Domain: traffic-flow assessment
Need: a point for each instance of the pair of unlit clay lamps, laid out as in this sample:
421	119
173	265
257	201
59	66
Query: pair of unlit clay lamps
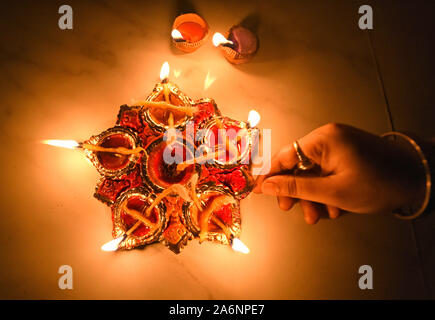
190	31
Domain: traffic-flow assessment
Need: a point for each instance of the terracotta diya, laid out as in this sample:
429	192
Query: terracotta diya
238	46
189	32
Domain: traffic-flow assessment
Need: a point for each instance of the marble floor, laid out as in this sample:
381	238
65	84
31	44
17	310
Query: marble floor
314	66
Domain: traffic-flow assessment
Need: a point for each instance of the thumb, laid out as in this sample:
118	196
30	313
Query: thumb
317	189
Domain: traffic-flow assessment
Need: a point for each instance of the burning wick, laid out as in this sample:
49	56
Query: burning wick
68	144
177	36
241	45
236	243
253	118
119	150
220	40
239	246
72	144
164	72
207	214
113	245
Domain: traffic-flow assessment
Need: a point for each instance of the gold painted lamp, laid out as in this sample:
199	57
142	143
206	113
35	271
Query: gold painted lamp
196	196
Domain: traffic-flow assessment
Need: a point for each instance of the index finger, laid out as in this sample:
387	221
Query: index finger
284	160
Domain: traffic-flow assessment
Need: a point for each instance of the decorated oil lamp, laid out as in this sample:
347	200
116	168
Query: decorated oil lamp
132	225
189	32
239	46
167	107
111	164
214	215
221	135
231	139
157	188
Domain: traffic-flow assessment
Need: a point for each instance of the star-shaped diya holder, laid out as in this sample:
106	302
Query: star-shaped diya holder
173	169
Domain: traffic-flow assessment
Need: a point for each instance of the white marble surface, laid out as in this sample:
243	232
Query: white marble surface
314	66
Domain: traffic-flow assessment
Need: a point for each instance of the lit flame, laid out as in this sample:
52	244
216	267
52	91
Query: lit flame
176	35
69	144
239	246
208	81
112	245
253	118
219	39
164	71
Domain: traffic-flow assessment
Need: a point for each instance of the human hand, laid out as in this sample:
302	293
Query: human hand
359	172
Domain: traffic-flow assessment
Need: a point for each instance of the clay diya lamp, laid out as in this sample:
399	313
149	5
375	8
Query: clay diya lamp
131	221
160	107
238	46
233	147
112	164
160	164
189	32
214	216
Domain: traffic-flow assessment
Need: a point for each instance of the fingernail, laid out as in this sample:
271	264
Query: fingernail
270	188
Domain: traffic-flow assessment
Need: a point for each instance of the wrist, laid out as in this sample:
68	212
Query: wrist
417	175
